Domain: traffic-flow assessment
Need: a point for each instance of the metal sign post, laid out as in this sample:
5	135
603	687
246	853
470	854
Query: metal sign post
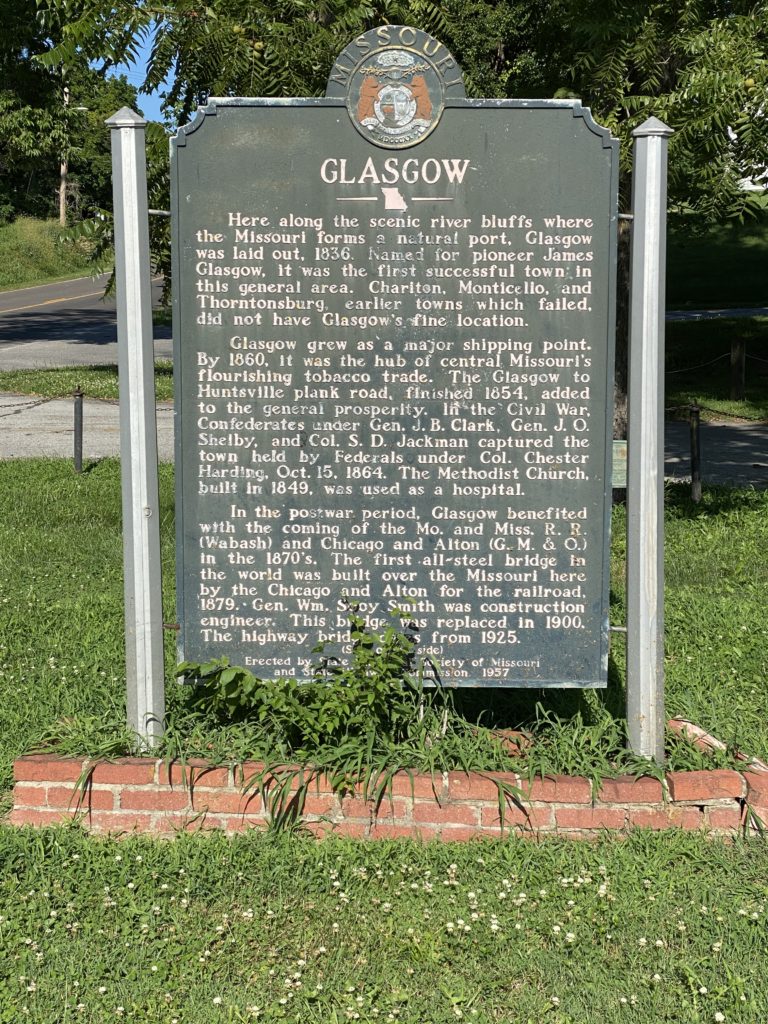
645	490
138	431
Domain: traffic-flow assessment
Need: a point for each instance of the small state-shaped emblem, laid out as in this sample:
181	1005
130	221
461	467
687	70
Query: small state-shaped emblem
395	97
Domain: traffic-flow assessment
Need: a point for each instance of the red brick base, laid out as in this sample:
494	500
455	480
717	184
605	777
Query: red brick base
142	795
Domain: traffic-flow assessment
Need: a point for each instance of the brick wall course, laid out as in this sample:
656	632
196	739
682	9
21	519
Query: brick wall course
145	795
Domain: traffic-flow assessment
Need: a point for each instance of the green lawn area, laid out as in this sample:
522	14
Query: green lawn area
93	381
279	927
282	928
698	367
723	266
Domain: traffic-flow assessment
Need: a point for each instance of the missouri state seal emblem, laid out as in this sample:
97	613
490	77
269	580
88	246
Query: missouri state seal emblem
395	97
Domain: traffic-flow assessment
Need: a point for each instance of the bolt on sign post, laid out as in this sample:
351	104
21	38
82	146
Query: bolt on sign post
394	316
138	431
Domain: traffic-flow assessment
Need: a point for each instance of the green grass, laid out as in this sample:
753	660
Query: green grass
94	381
278	927
31	253
724	266
698	367
61	629
651	929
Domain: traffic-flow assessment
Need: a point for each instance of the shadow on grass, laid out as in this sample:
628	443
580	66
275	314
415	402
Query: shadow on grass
516	709
715	501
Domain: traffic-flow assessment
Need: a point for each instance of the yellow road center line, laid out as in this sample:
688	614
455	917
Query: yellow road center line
71	298
48	302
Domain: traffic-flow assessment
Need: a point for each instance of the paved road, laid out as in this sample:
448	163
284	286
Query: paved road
731	453
35	428
66	323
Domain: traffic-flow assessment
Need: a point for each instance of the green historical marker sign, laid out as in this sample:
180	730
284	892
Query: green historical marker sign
394	322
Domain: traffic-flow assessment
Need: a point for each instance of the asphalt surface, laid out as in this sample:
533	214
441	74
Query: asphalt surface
69	323
65	323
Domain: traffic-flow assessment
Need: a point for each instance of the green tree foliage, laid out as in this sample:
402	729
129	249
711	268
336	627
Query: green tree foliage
89	153
42	119
32	135
509	49
286	48
226	47
701	67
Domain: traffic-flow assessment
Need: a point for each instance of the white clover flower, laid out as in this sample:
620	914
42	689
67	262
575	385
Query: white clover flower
554	1000
719	1017
217	1000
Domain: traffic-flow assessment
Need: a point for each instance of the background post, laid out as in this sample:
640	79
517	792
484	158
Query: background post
138	431
645	484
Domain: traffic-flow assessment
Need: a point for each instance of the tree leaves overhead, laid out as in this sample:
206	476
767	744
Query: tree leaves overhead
698	65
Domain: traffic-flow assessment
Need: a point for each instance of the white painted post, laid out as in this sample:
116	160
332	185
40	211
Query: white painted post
138	431
645	484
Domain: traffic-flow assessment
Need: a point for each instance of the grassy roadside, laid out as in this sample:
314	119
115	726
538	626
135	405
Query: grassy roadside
94	381
206	931
31	253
